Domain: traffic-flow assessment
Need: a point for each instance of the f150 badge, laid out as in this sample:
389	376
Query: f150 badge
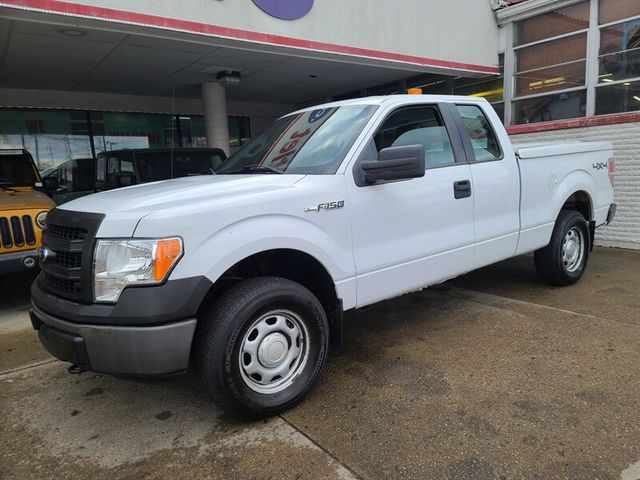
325	206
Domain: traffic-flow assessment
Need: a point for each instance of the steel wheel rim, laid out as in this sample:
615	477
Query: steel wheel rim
573	249
273	352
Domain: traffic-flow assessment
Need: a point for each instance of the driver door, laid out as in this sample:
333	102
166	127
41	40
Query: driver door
410	233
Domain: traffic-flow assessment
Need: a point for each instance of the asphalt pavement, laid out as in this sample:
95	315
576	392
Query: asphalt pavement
492	375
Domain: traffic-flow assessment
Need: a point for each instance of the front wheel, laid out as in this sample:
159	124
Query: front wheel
262	346
564	260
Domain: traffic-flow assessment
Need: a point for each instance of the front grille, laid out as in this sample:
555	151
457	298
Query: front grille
69	286
17	231
65	233
70	237
69	260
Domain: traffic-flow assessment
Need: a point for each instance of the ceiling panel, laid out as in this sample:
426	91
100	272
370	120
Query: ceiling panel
40	56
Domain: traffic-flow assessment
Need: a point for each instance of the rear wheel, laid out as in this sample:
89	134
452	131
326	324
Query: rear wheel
564	260
262	346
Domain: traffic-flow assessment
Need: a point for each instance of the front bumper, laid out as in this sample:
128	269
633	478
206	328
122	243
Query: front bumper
117	350
18	261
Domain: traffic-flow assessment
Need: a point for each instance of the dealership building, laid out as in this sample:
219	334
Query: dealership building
81	77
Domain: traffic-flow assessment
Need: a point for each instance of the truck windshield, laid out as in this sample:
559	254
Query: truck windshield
16	170
311	142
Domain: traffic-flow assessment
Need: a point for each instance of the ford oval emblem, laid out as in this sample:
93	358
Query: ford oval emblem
285	9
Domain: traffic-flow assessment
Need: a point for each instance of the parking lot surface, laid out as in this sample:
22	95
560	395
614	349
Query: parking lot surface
492	375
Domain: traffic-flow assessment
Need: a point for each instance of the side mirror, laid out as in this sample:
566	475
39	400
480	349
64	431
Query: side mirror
51	183
126	179
395	163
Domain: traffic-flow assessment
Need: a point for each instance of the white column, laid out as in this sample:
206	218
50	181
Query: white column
215	115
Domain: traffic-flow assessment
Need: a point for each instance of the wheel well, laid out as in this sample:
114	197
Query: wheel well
580	202
292	264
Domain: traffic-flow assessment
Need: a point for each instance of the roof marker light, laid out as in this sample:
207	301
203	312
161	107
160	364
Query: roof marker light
414	91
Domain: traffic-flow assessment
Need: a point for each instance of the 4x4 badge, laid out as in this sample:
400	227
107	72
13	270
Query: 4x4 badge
325	206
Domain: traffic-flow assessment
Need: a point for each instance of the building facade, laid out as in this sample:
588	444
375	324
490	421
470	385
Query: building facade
80	77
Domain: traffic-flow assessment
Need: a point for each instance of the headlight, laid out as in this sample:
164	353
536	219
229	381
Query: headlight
120	263
41	219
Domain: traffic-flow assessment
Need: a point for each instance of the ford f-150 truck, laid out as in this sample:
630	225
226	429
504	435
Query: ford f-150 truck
246	274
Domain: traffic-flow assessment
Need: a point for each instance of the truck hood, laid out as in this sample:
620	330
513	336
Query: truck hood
140	200
24	200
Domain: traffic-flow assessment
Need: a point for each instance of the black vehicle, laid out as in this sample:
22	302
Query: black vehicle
71	180
123	168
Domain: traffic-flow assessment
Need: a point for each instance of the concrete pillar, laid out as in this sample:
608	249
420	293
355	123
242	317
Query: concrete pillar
215	115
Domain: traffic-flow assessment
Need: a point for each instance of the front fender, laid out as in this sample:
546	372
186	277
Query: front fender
239	240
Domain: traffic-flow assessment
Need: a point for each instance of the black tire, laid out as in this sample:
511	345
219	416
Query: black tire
549	260
222	332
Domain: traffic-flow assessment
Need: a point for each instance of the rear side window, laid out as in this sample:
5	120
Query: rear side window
417	126
483	140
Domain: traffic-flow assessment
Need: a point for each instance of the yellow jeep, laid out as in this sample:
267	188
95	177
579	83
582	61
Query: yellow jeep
23	210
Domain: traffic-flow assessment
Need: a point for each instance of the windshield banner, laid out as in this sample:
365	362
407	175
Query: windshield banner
295	136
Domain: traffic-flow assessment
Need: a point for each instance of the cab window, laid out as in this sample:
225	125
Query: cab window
418	126
483	140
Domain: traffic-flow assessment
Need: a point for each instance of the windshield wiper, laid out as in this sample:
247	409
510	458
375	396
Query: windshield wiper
257	168
7	189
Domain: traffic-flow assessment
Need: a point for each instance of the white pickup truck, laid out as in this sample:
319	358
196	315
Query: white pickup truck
245	274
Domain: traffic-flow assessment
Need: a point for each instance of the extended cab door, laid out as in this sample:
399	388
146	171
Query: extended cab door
496	183
411	233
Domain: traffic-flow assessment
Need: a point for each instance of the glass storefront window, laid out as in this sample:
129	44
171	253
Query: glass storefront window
239	131
51	136
555	52
120	131
550	107
621	97
620	51
612	10
552	24
192	130
549	79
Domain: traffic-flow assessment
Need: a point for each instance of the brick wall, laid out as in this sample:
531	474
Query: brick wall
624	232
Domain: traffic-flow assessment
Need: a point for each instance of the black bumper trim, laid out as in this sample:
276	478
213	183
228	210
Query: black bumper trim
64	346
137	306
118	350
13	262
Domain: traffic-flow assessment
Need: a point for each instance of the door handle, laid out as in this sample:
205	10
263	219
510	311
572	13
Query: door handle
462	189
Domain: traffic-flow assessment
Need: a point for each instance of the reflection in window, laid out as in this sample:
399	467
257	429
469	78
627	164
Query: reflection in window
620	51
125	131
193	132
483	140
417	126
552	24
616	98
550	107
612	10
51	136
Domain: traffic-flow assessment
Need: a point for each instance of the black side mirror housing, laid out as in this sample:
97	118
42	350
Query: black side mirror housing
395	163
